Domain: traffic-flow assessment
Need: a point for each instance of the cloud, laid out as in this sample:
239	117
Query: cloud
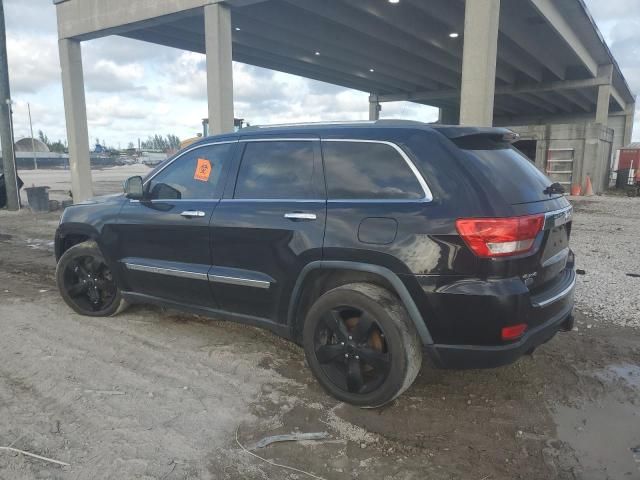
615	10
33	62
108	76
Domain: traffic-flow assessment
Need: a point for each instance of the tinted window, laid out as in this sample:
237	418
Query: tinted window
194	175
512	174
368	171
276	170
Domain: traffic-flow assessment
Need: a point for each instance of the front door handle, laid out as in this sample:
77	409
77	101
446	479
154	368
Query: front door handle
192	213
300	216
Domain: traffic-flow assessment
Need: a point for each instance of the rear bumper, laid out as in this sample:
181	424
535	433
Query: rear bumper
499	305
481	356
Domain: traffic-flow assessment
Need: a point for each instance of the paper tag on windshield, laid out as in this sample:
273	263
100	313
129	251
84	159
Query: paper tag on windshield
203	170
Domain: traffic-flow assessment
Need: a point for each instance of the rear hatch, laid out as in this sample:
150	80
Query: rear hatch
505	173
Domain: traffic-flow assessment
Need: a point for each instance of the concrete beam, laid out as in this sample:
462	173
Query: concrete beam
628	124
604	95
84	19
75	109
449	13
549	10
618	97
218	44
431	34
479	62
576	99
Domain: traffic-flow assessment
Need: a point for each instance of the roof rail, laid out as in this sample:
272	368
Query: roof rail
314	124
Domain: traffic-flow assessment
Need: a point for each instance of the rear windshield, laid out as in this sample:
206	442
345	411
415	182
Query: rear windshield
511	173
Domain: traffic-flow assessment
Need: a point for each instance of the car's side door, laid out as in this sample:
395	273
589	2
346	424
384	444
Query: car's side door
163	241
268	227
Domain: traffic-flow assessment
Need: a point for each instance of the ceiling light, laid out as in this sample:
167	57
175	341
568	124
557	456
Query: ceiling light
317	53
237	29
394	1
454	35
371	70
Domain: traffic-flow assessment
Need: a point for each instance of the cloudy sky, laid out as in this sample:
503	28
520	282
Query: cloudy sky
135	89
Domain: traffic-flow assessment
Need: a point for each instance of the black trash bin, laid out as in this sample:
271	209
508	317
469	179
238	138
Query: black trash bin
3	190
38	198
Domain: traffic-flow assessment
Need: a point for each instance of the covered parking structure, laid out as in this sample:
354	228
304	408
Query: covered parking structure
525	63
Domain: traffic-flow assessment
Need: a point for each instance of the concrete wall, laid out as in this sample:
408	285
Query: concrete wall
591	142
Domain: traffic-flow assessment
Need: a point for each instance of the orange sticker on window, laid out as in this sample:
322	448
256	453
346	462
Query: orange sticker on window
203	170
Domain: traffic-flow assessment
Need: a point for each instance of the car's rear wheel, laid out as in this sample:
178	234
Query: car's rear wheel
86	283
361	344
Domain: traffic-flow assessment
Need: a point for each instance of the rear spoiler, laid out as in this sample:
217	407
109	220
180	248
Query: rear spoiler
479	138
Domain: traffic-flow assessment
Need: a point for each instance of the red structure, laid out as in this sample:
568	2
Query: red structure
629	157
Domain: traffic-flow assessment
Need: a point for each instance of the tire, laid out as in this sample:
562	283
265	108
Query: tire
87	256
392	338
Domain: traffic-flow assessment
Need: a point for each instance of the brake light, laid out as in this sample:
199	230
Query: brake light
513	332
500	237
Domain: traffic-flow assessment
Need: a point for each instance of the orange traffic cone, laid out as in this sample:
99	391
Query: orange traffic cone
576	190
588	188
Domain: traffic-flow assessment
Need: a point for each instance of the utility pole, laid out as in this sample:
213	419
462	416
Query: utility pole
6	133
33	141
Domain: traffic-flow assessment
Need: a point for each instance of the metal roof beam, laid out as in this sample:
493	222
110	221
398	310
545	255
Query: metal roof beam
381	65
302	21
435	36
451	14
350	66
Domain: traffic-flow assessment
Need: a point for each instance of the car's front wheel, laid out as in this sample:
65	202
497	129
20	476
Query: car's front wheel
86	283
361	344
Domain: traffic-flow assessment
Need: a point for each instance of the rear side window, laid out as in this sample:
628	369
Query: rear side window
368	171
276	170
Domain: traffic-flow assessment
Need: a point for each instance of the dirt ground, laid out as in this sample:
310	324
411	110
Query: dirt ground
162	395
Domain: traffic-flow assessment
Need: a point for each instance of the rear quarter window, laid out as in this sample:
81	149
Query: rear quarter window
368	171
511	173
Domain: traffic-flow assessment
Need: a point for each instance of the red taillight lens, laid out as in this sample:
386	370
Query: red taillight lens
513	332
499	237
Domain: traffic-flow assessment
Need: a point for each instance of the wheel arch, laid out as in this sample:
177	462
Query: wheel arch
70	234
304	294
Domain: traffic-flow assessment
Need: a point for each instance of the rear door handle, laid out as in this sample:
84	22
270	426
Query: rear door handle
192	213
300	216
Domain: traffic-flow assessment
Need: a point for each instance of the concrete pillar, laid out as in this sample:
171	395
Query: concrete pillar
604	94
479	62
628	123
75	110
217	27
374	107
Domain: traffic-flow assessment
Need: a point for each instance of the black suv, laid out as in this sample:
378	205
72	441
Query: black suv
366	243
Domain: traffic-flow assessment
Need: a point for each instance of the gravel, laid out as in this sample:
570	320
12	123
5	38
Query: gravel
606	240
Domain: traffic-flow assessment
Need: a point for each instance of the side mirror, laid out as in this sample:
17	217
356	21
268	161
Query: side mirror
133	188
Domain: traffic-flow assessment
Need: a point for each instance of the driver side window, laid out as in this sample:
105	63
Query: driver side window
194	175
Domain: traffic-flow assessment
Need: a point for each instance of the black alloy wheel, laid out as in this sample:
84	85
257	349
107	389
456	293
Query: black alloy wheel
361	344
351	350
86	283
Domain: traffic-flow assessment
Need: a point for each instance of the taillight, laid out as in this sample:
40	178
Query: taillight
513	332
500	237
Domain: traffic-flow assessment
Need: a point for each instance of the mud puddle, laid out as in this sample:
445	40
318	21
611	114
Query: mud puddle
605	433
